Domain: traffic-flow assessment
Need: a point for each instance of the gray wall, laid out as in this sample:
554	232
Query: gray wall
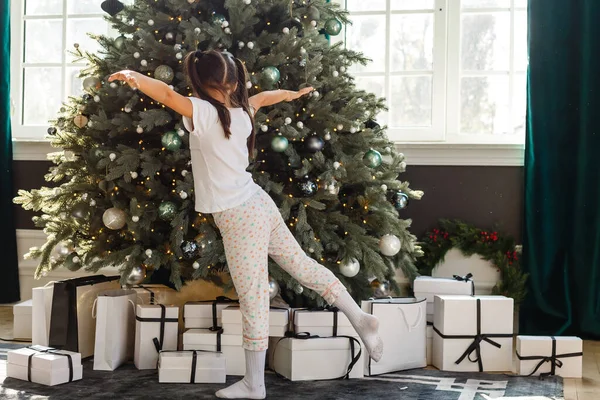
488	197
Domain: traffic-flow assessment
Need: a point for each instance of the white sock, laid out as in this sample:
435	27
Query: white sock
253	384
366	325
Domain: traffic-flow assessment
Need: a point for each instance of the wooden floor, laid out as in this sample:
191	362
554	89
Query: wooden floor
587	388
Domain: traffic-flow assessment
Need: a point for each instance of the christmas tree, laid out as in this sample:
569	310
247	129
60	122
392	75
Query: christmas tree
122	192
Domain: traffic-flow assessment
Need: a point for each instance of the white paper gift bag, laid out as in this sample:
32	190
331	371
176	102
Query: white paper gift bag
44	365
115	329
191	367
428	287
402	327
229	345
155	330
205	314
324	323
41	299
22	319
549	355
278	321
473	333
155	294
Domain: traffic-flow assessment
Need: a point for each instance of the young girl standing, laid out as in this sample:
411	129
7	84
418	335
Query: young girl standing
219	118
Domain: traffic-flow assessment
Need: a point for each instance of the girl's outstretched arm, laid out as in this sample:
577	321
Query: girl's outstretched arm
271	97
156	89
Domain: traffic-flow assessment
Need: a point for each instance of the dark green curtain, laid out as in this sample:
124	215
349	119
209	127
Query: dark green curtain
562	169
9	271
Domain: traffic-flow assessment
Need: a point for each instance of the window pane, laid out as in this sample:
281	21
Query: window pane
519	104
42	95
40	7
84	7
77	30
486	41
485	105
43	41
367	35
485	3
411	44
375	85
362	5
411	101
73	85
520	3
411	4
521	60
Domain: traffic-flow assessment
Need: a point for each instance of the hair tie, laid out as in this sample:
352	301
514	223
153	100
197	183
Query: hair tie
198	55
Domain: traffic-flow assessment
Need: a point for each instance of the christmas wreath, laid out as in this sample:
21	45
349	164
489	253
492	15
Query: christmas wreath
500	250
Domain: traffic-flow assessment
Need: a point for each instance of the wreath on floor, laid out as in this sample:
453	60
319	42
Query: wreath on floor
499	249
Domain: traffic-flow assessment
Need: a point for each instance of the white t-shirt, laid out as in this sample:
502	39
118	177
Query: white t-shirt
219	164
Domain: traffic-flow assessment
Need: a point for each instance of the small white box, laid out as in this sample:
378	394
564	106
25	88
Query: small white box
231	347
148	327
457	316
316	359
22	320
568	352
199	314
150	294
47	368
176	367
321	323
429	344
278	321
428	287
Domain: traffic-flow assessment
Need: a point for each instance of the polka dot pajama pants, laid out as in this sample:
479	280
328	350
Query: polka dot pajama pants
252	232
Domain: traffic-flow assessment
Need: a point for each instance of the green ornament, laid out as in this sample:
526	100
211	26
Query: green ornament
333	27
167	210
279	144
313	13
271	75
171	140
372	158
164	73
119	42
218	19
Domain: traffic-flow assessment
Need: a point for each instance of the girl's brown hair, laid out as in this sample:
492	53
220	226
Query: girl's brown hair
226	74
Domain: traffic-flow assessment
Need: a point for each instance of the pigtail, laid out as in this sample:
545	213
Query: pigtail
241	98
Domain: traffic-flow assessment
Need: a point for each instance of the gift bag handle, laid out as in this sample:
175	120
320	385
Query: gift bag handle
94	308
132	305
419	319
50	283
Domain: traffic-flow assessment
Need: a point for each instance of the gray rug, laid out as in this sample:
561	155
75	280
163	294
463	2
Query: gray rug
129	383
4	347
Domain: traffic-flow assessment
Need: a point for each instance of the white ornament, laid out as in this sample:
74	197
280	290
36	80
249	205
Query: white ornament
227	31
97	99
248	85
343	69
250	45
353	129
133	174
169	36
179	56
359	100
335	74
388	150
144	63
139	129
183	195
63	215
389	245
171	87
340	127
195	265
184	172
191	1
135	218
300	124
177	47
367	114
336	165
384	187
311	250
84	196
313	23
351	268
197	30
127	109
241	45
148	253
302	50
136	55
112	156
92	202
316	94
76	260
247	2
327	136
150	22
287	120
181	132
225	24
286	30
113	85
264	128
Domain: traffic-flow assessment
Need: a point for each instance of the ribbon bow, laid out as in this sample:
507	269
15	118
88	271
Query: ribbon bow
219	300
553	360
465	278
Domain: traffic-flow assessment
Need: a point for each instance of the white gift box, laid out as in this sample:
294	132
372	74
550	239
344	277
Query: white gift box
199	314
278	321
429	344
230	346
322	323
22	320
47	368
537	354
155	294
428	287
177	367
316	358
456	326
402	327
155	326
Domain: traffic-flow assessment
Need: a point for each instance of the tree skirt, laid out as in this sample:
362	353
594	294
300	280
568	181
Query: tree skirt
129	383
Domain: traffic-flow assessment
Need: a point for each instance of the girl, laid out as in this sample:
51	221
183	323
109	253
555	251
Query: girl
219	118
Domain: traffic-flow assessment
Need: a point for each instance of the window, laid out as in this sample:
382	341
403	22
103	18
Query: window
43	73
453	71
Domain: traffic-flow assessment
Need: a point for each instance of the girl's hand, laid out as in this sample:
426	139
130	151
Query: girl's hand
126	76
296	95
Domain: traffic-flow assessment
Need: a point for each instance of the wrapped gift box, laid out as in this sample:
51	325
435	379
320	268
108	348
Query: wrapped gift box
402	328
229	345
546	355
317	358
428	287
22	320
457	321
44	365
322	323
429	344
155	330
202	314
155	294
278	321
191	367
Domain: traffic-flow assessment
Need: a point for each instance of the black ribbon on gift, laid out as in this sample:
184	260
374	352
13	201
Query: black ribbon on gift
334	310
467	278
41	350
552	359
152	299
194	359
158	342
475	347
219	300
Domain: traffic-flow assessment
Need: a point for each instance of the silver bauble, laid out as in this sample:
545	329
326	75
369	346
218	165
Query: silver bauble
90	83
299	289
136	276
80	211
381	289
164	73
273	288
389	245
114	218
350	268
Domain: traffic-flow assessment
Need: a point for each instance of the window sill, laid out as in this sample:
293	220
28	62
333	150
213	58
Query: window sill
416	153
